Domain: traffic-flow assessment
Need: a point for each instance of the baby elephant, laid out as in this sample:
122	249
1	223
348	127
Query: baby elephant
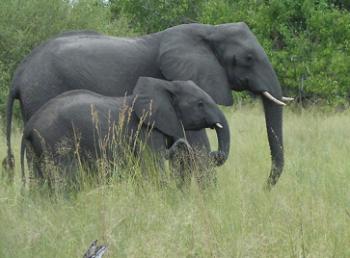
86	123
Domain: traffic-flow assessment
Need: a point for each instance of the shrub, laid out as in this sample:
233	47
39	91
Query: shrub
24	24
154	15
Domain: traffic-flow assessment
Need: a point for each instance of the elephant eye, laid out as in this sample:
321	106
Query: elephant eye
200	104
249	58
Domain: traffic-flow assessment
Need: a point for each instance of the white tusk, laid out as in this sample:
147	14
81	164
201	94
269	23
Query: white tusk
219	125
272	98
287	99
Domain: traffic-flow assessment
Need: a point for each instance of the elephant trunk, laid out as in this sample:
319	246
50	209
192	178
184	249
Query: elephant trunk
223	136
273	118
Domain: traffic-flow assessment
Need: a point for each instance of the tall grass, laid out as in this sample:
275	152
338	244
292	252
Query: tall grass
306	215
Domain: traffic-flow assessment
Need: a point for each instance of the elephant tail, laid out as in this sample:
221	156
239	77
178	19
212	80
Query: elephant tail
23	149
9	161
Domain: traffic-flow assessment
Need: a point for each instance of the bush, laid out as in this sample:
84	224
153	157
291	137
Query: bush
24	24
154	15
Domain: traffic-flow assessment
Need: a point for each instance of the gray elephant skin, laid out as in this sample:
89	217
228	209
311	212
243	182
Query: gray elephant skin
156	114
218	58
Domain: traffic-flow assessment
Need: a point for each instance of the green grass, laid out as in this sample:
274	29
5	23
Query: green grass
306	215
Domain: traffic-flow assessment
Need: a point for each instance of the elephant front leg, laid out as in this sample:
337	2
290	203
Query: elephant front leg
8	165
203	160
181	159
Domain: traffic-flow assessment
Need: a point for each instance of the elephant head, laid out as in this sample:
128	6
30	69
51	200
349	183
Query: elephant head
175	106
229	57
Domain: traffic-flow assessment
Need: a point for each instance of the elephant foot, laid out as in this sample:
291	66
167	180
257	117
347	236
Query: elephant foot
8	165
267	187
270	183
9	162
273	178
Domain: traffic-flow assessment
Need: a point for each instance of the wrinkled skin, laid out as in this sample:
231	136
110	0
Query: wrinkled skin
218	58
90	120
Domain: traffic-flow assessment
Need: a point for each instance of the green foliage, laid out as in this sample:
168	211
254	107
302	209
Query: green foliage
155	15
25	24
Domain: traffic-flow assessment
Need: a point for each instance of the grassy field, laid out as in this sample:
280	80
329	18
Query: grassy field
306	215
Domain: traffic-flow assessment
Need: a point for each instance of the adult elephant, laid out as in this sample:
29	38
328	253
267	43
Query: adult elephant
218	58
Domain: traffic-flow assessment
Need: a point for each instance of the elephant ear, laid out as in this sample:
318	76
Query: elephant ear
154	105
186	55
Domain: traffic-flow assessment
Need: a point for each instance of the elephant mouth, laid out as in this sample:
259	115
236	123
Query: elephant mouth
243	84
237	85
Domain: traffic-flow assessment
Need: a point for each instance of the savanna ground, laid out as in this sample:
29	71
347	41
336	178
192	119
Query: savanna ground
306	215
